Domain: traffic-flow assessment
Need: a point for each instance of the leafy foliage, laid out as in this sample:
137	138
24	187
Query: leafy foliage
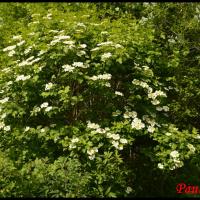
94	94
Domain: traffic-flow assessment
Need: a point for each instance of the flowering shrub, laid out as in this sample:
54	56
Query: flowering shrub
76	94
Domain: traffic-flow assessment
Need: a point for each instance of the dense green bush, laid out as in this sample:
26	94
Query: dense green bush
92	95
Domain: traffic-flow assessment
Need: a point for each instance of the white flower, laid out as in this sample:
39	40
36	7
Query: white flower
107	84
83	46
41	52
3	116
115	144
11	53
105	43
137	124
21	43
115	136
28	50
62	37
68	68
119	93
48	86
105	76
123	141
53	42
174	154
44	105
9	82
198	137
48	108
168	134
68	42
128	190
159	108
109	135
27	128
161	166
132	114
93	125
6	128
2	125
166	108
92	151
72	146
4	100
22	77
100	130
91	157
191	147
151	129
95	49
42	130
78	64
106	55
9	48
74	140
155	102
17	37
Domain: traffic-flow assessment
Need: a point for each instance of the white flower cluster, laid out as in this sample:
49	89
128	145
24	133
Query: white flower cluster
165	108
26	62
17	37
22	77
151	123
58	38
105	56
101	77
9	48
119	93
80	64
116	141
73	143
4	127
129	114
68	68
4	100
137	124
105	43
44	105
91	152
48	86
177	163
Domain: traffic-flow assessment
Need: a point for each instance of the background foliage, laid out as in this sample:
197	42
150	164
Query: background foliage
99	99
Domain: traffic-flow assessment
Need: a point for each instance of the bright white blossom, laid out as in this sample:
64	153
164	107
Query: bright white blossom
161	166
6	128
47	109
48	86
123	141
22	78
74	140
9	48
137	124
93	125
4	100
119	93
151	129
68	68
106	55
44	105
174	154
27	128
